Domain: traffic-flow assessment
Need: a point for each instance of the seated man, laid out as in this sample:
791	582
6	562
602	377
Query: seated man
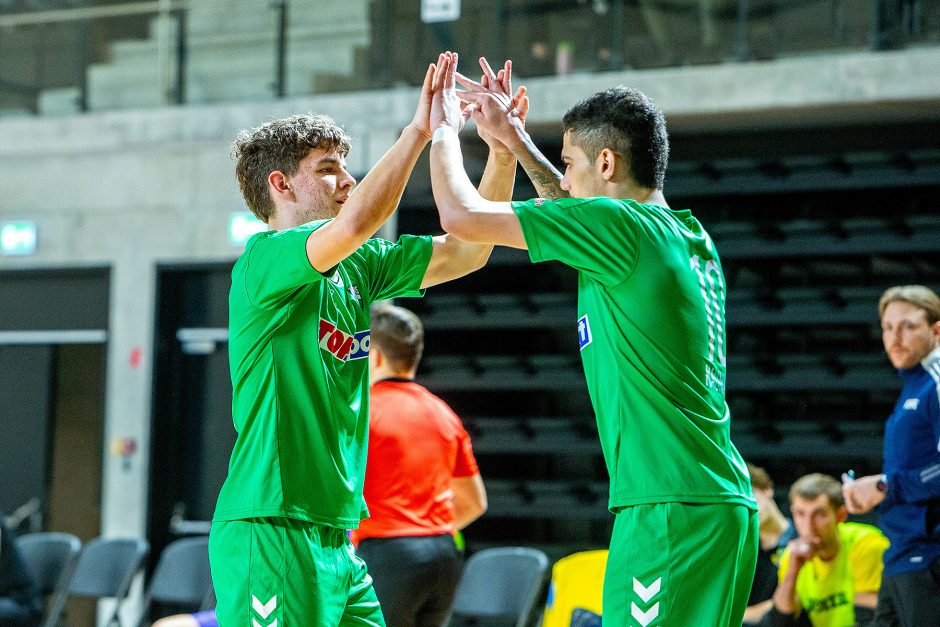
830	574
776	530
19	600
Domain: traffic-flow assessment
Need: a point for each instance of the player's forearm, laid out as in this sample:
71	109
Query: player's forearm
499	176
785	595
544	176
454	194
378	194
754	613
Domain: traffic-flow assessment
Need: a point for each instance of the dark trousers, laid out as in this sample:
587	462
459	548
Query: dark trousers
414	577
910	599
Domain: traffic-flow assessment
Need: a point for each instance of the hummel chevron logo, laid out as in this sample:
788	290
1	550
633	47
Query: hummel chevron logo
647	593
264	610
255	623
644	618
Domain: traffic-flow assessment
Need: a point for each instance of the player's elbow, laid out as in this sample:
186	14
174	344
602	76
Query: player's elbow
454	221
460	224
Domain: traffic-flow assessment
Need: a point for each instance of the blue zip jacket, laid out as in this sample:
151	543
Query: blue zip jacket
910	513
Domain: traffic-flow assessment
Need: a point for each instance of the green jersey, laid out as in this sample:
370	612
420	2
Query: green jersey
298	354
651	327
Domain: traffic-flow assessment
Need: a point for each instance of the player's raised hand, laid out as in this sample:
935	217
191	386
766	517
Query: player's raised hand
445	105
499	84
498	112
422	119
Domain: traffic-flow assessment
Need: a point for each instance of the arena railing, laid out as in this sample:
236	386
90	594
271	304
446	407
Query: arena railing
168	52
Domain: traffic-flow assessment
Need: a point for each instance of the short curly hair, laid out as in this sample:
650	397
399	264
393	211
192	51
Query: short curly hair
628	122
280	145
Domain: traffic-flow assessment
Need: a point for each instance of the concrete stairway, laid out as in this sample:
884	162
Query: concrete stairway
231	54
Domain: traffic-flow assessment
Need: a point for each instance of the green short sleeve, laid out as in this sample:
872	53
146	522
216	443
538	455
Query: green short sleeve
396	268
597	236
276	264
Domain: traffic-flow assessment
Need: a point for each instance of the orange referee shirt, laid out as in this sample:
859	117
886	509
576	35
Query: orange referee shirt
416	445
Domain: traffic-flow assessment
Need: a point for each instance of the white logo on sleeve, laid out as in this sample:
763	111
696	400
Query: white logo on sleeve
911	404
584	332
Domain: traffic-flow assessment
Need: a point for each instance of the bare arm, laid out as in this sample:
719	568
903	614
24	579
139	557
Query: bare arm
464	213
377	196
503	117
469	499
786	600
544	176
452	258
754	613
866	599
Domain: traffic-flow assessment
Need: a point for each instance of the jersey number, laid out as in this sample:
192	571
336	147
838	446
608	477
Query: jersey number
713	292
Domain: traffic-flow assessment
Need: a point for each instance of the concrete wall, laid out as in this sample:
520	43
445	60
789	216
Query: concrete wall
131	189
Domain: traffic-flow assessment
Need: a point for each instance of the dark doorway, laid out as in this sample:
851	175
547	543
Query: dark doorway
53	339
192	433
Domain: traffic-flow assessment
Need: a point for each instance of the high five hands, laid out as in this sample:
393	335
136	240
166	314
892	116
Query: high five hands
498	112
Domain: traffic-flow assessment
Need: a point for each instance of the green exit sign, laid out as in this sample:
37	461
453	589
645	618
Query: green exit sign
18	238
242	225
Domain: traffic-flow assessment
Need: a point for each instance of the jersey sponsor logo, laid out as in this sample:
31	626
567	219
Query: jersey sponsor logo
827	604
911	404
354	293
644	613
584	332
538	202
341	345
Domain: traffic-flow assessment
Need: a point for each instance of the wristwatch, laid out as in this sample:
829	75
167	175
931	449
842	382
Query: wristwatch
882	484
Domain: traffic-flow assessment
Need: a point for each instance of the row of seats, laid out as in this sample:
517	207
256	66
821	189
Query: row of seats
105	567
578	500
754	305
796	173
578	436
746	372
505	583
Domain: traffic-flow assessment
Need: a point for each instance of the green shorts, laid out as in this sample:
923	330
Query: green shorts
289	573
680	564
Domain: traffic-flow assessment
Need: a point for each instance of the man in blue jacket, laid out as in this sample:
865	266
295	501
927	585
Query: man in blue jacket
907	494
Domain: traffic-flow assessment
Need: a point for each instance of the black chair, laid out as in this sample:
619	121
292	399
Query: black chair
181	577
50	558
105	570
501	585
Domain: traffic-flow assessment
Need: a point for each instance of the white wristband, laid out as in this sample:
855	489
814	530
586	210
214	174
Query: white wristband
441	133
